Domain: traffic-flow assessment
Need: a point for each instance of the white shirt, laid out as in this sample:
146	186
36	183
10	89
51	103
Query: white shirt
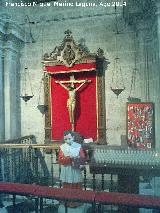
71	150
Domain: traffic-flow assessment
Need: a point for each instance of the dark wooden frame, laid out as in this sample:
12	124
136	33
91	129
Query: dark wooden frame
140	125
47	103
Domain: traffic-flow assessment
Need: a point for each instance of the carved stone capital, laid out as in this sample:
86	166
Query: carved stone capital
11	34
139	11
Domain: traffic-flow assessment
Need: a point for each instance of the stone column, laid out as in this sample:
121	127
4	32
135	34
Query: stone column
12	45
149	70
12	93
157	86
2	123
7	91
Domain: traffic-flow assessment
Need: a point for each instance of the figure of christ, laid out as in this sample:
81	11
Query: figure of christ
71	101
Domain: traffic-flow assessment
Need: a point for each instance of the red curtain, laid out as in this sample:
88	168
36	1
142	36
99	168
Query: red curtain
85	110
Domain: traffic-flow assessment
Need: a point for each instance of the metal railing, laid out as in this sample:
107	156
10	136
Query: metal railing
98	200
24	161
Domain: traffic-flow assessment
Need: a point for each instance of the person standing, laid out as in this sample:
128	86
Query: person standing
71	158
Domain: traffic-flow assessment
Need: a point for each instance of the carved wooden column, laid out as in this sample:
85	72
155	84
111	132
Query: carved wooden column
47	104
101	64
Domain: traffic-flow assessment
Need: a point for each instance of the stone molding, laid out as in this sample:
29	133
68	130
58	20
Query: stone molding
63	15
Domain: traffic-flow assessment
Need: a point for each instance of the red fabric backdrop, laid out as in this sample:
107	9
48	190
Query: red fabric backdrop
85	110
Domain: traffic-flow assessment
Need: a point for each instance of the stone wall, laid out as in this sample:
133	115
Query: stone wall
94	26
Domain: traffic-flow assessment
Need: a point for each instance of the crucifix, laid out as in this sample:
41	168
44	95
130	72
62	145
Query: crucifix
71	101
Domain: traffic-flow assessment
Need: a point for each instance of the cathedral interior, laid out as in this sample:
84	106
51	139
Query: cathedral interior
108	52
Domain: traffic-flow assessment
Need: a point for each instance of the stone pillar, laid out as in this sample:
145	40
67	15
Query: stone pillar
7	89
12	45
157	86
2	123
149	69
12	93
